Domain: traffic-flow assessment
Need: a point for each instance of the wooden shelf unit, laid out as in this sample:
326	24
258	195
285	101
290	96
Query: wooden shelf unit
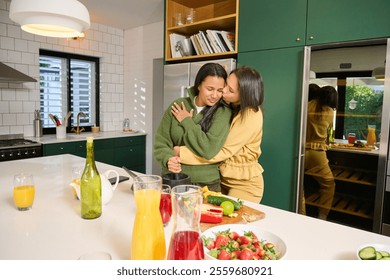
213	14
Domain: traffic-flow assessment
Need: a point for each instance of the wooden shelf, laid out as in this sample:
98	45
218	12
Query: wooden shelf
345	204
209	14
356	176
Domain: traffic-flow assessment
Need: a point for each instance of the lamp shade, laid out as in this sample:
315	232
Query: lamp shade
52	18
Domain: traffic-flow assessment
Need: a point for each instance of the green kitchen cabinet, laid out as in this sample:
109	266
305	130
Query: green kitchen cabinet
104	150
59	148
131	152
333	21
265	24
122	151
281	72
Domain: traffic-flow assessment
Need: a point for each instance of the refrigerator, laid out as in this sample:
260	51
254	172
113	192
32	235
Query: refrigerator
173	84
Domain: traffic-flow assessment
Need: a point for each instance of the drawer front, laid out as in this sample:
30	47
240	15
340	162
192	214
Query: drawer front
126	141
131	157
58	149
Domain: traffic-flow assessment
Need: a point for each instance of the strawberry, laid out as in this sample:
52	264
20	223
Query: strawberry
235	255
224	255
246	254
221	240
244	240
233	235
208	243
233	245
251	236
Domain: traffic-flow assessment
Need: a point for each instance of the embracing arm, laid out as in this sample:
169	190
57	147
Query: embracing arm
241	133
205	144
163	144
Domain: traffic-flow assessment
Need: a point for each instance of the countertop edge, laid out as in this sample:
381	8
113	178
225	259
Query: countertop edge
71	137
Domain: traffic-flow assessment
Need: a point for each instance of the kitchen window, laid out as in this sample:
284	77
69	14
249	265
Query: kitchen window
68	83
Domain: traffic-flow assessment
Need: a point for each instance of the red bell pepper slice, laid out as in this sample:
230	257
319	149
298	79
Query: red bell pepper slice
211	214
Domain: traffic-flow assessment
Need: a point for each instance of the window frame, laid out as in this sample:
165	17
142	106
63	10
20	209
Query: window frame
69	57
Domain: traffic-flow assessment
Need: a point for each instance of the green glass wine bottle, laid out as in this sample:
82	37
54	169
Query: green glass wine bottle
90	187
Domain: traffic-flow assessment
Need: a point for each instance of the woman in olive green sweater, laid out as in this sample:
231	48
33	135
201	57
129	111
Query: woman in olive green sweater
204	133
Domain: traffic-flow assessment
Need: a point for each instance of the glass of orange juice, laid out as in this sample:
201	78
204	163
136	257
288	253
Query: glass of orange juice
24	191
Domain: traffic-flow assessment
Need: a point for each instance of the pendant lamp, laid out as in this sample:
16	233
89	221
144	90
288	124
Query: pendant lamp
52	18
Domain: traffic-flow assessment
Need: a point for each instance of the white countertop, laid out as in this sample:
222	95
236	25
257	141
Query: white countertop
71	137
54	229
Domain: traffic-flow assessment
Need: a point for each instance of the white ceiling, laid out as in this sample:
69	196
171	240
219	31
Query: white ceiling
125	14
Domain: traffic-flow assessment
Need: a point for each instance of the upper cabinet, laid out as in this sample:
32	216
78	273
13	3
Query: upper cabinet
274	24
186	20
347	20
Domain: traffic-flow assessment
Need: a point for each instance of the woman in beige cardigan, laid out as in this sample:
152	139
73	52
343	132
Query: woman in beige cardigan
241	173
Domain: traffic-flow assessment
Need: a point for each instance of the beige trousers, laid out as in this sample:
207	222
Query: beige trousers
317	163
251	190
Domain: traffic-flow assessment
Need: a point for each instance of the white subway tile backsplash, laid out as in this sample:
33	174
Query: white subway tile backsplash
21	50
16	106
14	31
7	43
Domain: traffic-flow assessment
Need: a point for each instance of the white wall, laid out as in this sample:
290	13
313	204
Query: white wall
21	51
142	45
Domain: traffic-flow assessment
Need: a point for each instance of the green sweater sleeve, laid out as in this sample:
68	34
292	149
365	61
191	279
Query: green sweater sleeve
207	145
163	144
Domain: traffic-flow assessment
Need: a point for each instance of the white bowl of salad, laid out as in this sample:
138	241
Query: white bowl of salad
373	252
242	242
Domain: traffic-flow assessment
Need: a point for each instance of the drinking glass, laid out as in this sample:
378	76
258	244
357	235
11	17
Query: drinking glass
166	204
24	191
351	138
148	240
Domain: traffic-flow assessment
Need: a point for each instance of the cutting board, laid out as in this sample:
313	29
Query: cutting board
244	210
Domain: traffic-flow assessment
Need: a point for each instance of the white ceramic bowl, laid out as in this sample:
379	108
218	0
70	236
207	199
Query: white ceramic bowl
280	246
378	247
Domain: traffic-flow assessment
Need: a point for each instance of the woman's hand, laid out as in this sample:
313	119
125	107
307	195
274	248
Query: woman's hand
180	113
174	164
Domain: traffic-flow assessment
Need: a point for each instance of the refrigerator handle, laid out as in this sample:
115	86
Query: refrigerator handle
183	91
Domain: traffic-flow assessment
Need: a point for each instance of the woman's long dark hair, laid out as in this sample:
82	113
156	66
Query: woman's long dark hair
214	70
251	90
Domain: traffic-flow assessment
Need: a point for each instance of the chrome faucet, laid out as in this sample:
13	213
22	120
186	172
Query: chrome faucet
78	130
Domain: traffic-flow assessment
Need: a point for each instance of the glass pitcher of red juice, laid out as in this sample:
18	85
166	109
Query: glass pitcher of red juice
186	242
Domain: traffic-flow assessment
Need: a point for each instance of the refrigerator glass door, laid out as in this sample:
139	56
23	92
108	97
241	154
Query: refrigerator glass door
359	169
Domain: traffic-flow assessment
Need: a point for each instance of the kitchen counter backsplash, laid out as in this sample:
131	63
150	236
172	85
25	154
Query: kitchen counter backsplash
72	137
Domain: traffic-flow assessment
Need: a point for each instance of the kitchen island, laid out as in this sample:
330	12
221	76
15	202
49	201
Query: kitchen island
54	230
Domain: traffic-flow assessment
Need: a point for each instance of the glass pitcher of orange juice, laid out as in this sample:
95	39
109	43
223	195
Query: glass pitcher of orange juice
371	135
148	240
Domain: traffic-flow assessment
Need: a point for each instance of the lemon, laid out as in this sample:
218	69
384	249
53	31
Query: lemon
227	207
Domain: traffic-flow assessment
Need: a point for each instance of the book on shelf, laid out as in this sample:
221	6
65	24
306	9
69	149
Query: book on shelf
173	39
206	40
221	41
202	43
197	46
213	41
197	51
229	39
